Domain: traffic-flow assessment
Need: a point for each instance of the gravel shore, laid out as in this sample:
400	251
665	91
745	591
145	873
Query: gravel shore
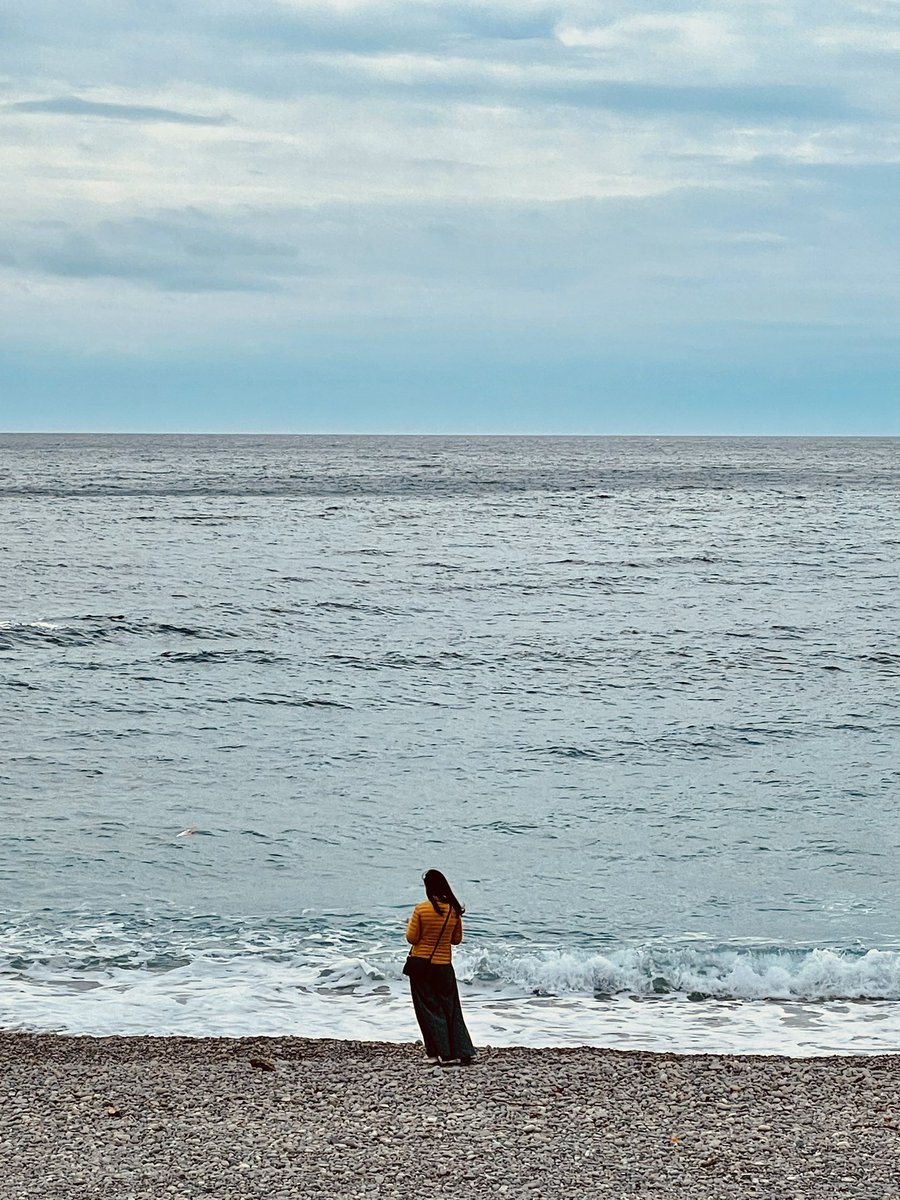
170	1118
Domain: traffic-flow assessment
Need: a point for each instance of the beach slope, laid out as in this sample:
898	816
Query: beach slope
135	1118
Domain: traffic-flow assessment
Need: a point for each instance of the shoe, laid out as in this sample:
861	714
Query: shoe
432	1060
449	1062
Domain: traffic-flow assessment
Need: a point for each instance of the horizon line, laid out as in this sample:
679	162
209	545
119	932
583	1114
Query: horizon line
433	434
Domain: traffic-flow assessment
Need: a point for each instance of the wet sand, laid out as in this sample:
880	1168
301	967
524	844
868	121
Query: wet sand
136	1118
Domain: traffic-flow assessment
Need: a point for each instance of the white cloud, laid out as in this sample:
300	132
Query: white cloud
486	165
683	40
873	41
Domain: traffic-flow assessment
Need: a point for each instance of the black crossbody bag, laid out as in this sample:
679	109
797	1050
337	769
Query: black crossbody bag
417	967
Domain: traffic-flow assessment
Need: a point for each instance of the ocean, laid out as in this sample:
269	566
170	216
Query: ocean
637	697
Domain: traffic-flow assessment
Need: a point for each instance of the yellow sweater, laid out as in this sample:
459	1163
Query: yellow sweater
424	929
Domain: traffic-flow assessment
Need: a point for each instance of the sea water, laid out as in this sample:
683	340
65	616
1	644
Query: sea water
637	697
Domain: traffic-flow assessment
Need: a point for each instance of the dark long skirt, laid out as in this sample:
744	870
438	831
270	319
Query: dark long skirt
435	998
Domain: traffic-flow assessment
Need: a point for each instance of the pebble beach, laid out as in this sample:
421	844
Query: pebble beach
144	1118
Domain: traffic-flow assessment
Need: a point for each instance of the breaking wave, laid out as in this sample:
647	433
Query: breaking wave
720	973
318	954
206	976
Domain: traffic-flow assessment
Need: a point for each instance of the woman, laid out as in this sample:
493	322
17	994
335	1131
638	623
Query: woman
434	927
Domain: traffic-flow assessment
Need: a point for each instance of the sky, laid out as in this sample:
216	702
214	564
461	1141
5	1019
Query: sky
505	216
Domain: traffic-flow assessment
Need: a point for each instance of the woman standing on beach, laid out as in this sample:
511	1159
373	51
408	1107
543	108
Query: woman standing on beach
433	929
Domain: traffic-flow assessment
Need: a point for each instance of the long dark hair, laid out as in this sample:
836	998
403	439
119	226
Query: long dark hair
437	888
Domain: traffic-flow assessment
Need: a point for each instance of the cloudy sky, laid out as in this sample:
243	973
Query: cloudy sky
439	215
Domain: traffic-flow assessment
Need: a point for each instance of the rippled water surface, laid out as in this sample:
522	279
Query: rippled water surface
638	697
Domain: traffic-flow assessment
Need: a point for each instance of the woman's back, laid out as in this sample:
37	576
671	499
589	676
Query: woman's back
424	932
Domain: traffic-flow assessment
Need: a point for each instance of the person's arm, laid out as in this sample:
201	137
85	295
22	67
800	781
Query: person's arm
414	928
456	935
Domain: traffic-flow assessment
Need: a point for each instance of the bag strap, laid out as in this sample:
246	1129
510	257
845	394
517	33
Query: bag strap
441	934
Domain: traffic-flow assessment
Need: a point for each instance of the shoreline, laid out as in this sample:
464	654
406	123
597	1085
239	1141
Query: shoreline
141	1117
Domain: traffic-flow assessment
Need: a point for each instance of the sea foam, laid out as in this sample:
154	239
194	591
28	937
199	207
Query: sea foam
111	977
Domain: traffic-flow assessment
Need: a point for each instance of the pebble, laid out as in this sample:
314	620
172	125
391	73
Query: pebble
146	1118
